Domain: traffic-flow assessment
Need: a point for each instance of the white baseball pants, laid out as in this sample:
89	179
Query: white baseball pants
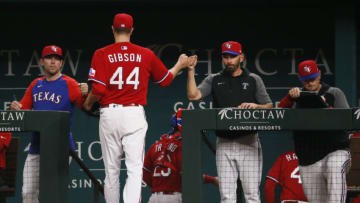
240	157
30	188
325	180
159	197
122	129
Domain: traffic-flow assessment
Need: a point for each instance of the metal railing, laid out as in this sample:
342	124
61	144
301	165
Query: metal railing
97	186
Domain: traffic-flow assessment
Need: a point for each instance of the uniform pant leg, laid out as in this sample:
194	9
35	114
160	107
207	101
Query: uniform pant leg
337	165
313	182
153	198
175	198
111	149
134	147
249	162
226	169
30	189
161	198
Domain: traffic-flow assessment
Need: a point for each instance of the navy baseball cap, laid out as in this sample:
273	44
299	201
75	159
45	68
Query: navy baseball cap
231	47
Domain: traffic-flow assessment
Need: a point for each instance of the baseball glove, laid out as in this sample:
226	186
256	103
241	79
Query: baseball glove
94	111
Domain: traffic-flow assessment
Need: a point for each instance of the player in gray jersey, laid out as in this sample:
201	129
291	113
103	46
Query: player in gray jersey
238	153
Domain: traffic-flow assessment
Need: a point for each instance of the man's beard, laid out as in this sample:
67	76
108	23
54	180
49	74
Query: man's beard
230	69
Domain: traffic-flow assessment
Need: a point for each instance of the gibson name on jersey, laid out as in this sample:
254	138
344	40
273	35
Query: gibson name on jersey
124	57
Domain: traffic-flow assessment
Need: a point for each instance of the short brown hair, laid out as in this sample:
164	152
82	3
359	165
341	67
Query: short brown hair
122	30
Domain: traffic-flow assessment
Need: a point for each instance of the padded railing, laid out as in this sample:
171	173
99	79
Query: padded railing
194	121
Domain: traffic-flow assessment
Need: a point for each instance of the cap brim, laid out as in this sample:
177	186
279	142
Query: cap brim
54	55
231	52
314	75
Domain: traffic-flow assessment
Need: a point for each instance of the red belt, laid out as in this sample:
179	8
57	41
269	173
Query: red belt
119	105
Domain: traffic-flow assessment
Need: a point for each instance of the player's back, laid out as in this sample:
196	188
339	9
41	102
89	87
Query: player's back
166	156
125	68
290	177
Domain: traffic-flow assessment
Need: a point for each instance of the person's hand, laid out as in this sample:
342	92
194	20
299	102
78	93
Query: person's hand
192	62
15	105
294	92
323	98
183	61
247	106
84	88
94	110
86	106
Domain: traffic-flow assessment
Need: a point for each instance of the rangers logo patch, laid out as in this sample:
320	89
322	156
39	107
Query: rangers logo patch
307	69
228	45
245	85
54	48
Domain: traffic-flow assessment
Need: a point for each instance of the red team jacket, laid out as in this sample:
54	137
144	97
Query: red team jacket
162	165
120	73
5	139
285	173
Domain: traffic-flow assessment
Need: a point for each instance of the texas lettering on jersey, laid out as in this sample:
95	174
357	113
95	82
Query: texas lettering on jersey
46	96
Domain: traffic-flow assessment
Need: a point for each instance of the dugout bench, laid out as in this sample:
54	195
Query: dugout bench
54	129
194	121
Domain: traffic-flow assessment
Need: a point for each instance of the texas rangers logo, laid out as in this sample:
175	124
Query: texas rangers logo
54	48
245	85
357	114
307	69
228	45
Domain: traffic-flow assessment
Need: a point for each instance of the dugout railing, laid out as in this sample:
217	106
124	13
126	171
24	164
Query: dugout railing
194	121
98	188
53	127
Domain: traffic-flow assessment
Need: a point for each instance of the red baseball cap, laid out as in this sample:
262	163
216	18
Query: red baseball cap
123	20
52	50
231	47
308	70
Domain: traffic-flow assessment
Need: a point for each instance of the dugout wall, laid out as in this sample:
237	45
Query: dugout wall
53	128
